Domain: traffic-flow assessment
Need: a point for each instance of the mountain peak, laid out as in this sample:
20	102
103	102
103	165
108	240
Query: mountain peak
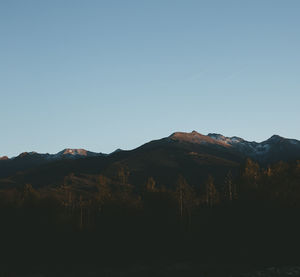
117	150
276	138
187	136
195	137
76	153
25	154
73	152
4	158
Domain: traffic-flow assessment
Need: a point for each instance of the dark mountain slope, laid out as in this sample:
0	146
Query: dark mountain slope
29	160
190	155
22	162
193	155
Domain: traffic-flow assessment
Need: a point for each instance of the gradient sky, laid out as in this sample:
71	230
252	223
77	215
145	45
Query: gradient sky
113	74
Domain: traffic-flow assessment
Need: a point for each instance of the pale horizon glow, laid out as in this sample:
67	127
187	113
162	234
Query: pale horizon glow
102	75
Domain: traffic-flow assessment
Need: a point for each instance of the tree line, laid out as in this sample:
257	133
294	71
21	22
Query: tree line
242	218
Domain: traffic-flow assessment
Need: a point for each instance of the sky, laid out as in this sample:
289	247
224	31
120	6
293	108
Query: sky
110	74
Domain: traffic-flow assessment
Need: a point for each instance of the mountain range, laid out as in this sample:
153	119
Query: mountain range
192	154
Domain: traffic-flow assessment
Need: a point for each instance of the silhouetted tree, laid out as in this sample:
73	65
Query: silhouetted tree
29	195
104	193
185	196
251	173
123	174
230	189
151	184
211	192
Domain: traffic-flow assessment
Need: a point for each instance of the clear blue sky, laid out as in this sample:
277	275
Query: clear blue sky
107	74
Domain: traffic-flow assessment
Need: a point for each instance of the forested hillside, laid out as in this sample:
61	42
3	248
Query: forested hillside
249	218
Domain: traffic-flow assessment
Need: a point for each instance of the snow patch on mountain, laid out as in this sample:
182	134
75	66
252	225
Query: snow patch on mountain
67	153
259	150
227	140
75	153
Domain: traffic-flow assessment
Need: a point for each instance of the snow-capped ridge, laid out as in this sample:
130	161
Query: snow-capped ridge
227	140
258	150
